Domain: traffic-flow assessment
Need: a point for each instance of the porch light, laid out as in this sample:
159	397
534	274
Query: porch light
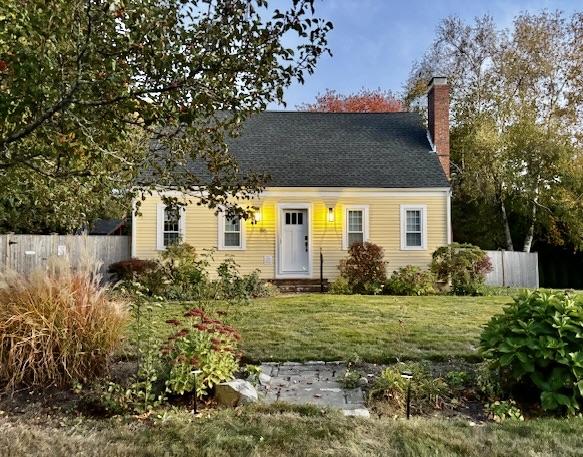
330	214
256	216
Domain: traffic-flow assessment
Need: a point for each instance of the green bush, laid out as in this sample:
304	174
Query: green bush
340	286
202	343
465	265
182	274
410	280
185	272
535	345
499	411
391	387
364	269
233	286
59	326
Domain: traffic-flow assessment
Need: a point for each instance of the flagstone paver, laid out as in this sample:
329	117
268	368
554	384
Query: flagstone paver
311	383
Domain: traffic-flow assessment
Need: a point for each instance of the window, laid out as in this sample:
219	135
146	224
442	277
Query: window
355	225
413	227
231	233
170	225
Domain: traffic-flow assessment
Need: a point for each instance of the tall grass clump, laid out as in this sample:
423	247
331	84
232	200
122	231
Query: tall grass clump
57	326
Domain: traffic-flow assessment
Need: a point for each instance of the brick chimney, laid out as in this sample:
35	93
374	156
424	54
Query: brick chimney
438	119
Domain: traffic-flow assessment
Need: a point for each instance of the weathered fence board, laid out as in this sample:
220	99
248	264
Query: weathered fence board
25	253
513	269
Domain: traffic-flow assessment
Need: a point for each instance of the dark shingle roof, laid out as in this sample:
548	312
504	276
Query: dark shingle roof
106	226
302	149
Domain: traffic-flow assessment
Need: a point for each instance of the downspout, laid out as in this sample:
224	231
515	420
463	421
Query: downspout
449	224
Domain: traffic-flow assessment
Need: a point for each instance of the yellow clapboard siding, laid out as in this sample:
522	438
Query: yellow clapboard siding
384	208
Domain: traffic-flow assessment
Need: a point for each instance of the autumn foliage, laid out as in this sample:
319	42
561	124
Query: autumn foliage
365	101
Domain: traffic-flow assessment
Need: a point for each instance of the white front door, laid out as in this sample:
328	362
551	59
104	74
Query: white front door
295	244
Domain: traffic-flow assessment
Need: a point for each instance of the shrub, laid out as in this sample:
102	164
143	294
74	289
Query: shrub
410	280
185	272
58	326
426	391
364	269
465	265
128	269
202	343
340	286
535	345
233	286
499	411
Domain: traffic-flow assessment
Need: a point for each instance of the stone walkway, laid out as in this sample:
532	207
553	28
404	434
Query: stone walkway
311	383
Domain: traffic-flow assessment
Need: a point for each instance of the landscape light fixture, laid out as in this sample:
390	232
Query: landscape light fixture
408	375
195	372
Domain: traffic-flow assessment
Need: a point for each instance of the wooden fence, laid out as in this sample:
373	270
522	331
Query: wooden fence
25	253
513	269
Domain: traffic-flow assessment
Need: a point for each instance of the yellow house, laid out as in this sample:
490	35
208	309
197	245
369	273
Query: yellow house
336	178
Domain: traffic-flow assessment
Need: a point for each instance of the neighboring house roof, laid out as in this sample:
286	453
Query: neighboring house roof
358	150
106	227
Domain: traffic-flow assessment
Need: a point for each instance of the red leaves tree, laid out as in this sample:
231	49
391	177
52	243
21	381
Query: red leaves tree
364	101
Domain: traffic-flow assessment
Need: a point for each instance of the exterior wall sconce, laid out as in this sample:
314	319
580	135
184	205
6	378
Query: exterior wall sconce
330	216
256	216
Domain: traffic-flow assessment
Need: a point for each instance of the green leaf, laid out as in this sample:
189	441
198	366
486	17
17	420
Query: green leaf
548	400
506	359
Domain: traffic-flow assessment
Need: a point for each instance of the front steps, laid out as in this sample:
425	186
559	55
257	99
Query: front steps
300	285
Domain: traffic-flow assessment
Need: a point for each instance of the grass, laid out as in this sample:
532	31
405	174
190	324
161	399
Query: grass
305	327
378	329
291	431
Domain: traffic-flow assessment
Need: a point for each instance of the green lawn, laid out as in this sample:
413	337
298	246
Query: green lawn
289	431
378	329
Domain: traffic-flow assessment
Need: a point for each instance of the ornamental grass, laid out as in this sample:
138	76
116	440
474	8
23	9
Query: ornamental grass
57	326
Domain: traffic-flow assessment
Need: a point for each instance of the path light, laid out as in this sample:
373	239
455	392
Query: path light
408	375
195	372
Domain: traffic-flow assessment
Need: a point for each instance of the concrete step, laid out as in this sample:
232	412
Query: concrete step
301	285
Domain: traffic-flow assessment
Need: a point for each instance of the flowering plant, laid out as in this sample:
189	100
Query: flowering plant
204	344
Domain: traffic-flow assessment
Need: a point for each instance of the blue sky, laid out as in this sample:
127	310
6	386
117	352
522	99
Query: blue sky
375	42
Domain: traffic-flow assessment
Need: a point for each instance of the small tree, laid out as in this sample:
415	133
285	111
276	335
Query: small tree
364	269
465	265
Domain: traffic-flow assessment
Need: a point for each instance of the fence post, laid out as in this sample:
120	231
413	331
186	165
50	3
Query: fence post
503	262
8	259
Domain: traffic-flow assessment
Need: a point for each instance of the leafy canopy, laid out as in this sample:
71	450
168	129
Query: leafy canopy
516	122
364	101
86	84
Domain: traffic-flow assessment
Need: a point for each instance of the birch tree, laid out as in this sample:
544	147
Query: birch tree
516	119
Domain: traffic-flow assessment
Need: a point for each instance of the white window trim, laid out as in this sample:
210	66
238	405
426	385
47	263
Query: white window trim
345	209
404	209
160	207
221	240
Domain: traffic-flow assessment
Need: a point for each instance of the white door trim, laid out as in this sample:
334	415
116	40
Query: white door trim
280	207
